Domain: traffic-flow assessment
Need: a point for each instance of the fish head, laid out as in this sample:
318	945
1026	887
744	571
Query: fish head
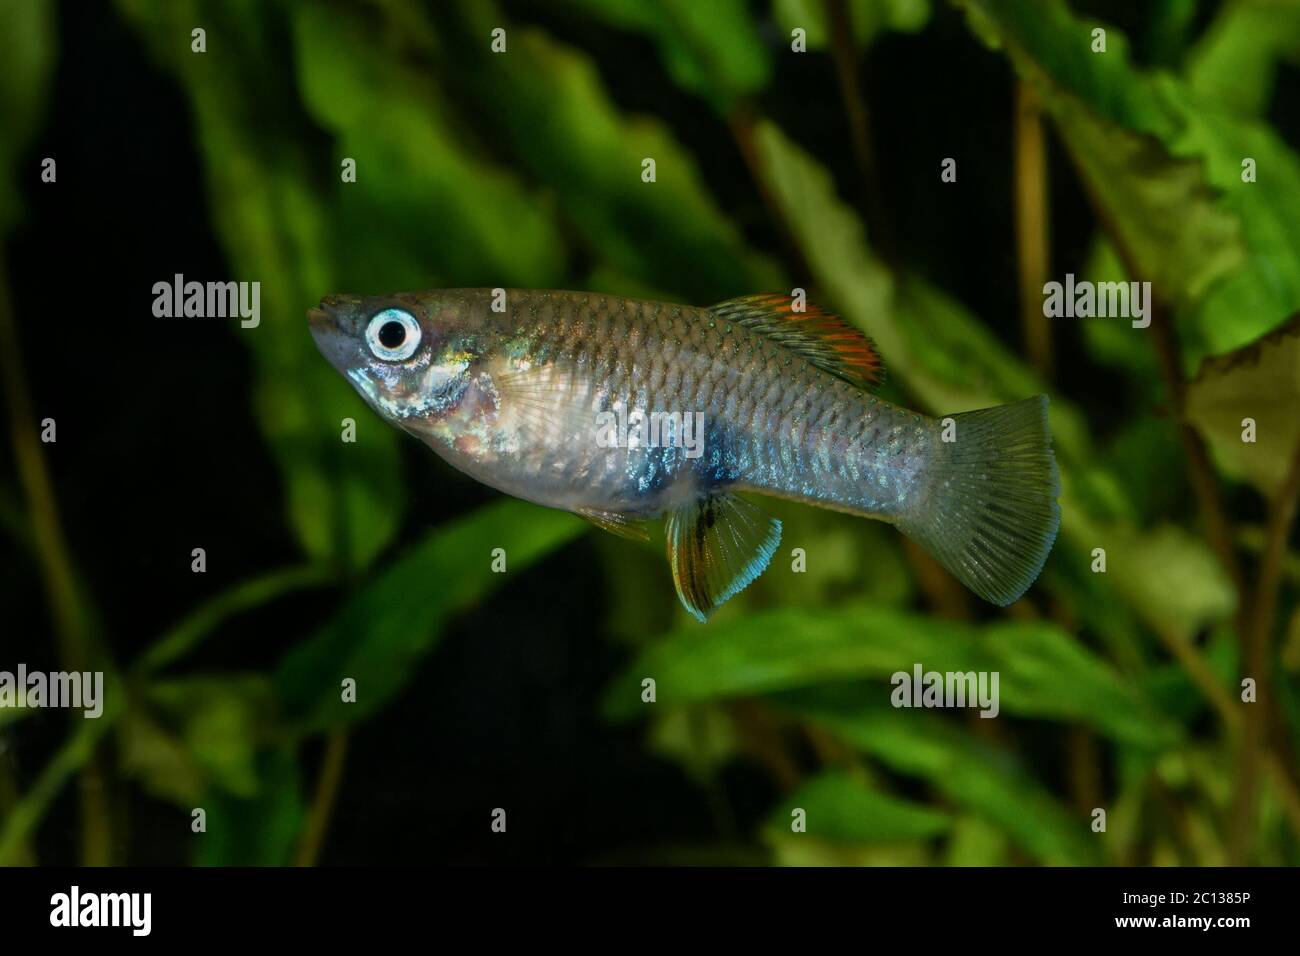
413	358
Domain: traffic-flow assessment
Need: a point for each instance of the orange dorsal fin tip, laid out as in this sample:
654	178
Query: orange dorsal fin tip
824	339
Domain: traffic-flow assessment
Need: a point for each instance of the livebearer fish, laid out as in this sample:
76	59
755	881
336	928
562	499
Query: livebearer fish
624	411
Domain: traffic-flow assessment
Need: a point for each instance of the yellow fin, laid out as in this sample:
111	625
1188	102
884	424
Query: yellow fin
625	526
717	545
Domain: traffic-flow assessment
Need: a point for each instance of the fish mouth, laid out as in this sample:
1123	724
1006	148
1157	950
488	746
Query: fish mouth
331	338
331	308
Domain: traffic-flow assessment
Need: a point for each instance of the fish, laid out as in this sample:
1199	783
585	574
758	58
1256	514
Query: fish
627	412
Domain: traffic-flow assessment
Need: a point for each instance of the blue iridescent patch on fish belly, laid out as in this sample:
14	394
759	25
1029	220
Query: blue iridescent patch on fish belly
718	465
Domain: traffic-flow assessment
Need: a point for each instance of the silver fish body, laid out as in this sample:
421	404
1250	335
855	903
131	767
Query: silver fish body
624	410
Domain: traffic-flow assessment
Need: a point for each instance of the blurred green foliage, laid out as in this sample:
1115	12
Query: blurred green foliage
521	169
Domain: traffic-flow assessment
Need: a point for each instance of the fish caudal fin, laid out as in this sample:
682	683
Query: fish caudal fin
717	545
991	515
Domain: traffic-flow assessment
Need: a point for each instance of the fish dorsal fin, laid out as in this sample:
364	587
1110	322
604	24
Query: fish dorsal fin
717	545
825	340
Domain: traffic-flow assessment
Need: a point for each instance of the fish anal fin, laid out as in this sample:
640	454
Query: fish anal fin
625	526
825	340
717	545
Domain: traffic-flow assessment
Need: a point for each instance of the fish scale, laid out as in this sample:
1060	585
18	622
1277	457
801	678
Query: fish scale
519	399
772	413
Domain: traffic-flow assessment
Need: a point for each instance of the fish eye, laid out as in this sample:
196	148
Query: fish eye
393	335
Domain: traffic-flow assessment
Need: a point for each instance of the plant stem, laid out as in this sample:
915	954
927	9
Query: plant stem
1256	660
66	606
194	628
22	853
1202	674
839	24
1200	470
75	753
1032	238
51	550
742	125
1253	629
322	807
760	732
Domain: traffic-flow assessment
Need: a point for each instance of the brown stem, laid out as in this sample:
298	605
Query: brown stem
1085	768
322	807
54	558
51	550
831	751
1283	773
1175	814
1252	628
944	593
1256	660
761	737
1202	674
742	131
1200	470
840	26
1032	239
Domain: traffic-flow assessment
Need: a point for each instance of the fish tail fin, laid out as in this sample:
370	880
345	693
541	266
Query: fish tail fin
991	514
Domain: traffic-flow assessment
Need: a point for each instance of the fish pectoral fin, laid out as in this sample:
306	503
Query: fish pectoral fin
625	526
717	545
551	402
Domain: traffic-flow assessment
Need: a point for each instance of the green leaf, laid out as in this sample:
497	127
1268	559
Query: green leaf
563	129
221	721
1260	382
701	738
869	19
1235	63
275	227
248	595
1042	672
157	759
970	773
1166	216
1168	575
1047	674
1116	344
384	630
1165	168
711	49
976	842
845	559
432	205
840	808
27	44
257	830
1168	29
